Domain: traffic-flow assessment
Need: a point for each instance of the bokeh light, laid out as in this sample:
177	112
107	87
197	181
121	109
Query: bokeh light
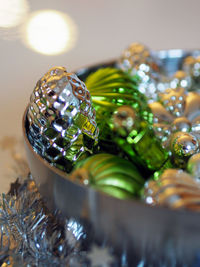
50	32
12	12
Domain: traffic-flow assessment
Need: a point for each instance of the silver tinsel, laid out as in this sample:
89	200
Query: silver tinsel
31	236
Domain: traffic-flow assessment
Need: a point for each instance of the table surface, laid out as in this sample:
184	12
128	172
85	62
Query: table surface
103	29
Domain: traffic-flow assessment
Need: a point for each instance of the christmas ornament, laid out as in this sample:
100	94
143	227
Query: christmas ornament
191	66
137	60
177	122
62	127
183	145
137	139
110	174
180	79
193	166
175	189
111	88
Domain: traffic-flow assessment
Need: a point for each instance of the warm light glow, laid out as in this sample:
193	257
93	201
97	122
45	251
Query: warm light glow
50	32
12	12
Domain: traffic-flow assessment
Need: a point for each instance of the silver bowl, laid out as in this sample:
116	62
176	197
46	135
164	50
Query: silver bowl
132	228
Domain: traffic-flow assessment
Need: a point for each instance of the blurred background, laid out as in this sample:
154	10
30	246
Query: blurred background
36	35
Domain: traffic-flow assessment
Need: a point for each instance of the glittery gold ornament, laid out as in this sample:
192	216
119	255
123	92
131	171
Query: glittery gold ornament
62	126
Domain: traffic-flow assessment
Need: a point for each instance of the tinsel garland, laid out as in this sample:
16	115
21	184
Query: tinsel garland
30	235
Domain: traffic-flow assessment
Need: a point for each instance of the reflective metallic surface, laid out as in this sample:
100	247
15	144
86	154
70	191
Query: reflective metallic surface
137	59
179	111
158	234
62	126
176	189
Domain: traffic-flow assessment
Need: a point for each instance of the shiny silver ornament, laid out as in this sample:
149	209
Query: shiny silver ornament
180	79
191	66
62	125
184	144
175	189
124	120
177	111
137	59
193	166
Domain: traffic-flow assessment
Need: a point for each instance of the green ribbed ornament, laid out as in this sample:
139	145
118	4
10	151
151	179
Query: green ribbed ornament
111	88
123	116
108	173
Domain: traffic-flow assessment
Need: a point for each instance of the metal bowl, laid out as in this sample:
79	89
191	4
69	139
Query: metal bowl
131	227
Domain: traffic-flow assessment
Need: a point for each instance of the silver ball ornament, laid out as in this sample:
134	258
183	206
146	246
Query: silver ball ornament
124	119
193	166
191	66
184	144
62	126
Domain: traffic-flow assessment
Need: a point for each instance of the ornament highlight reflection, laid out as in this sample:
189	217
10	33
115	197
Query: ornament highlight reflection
12	12
50	32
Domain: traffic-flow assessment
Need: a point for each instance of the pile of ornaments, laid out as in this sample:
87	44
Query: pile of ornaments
126	130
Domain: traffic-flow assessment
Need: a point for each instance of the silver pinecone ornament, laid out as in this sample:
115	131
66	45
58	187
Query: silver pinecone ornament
62	126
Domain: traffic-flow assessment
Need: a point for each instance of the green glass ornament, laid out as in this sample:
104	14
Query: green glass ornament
124	117
108	173
111	88
137	139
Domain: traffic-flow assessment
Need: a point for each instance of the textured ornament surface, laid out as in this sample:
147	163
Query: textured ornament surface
61	118
178	111
137	59
111	88
176	189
